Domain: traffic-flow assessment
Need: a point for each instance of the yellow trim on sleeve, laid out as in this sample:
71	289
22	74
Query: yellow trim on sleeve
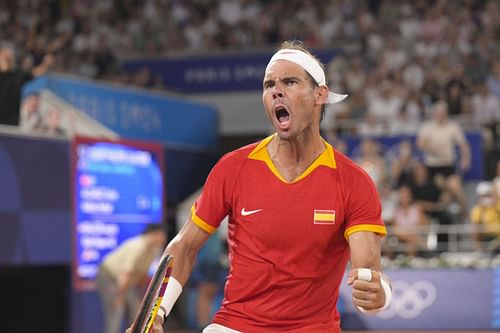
200	223
378	229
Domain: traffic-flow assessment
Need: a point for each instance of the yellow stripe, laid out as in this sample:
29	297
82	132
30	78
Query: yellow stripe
200	223
324	217
378	229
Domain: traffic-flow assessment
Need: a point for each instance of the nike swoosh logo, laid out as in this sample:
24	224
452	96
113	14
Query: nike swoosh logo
249	212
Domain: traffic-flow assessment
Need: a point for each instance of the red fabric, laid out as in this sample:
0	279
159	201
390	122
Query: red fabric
285	270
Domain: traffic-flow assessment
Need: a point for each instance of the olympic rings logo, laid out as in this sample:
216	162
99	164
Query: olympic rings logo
409	300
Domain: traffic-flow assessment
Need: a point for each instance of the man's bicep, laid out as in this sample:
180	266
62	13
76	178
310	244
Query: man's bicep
191	236
365	250
184	248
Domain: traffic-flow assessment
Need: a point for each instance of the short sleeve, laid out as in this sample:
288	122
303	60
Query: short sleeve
214	202
362	204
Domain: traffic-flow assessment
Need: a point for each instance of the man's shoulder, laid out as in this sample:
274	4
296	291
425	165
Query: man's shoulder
343	160
346	166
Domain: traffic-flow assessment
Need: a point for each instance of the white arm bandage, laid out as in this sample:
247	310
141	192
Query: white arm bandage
172	293
365	274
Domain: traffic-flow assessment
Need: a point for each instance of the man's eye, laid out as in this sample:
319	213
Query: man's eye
290	82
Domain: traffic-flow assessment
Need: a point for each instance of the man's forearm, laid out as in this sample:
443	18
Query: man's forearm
184	259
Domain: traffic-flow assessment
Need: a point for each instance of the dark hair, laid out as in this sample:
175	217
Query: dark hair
153	227
299	45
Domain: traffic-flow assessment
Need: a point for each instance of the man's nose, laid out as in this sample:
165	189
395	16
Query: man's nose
277	92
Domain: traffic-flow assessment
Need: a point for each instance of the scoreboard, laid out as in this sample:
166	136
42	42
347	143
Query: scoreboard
118	188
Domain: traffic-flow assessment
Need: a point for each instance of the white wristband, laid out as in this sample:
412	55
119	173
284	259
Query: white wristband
172	293
367	276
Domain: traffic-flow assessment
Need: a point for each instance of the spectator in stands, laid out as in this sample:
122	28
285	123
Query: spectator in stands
485	106
370	126
52	124
486	113
386	104
493	80
12	81
438	138
409	222
372	161
122	273
430	197
486	214
355	81
455	91
496	180
403	164
407	120
31	119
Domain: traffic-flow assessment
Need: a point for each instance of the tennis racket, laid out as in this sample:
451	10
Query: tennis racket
146	315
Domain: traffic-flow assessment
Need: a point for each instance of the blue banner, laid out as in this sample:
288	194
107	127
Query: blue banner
136	114
214	73
432	300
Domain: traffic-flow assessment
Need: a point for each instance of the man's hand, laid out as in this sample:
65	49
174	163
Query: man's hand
157	326
465	163
368	295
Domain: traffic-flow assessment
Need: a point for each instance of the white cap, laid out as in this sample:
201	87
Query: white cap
310	65
484	188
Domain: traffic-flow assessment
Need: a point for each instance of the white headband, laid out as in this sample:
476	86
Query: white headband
310	65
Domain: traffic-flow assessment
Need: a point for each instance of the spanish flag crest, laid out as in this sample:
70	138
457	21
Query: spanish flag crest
324	216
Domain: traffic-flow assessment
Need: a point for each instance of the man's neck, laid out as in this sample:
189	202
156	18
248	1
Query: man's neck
293	157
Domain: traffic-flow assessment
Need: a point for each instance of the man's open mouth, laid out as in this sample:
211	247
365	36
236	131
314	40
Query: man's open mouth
282	114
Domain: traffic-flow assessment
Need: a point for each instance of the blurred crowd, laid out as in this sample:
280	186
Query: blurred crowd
407	51
397	60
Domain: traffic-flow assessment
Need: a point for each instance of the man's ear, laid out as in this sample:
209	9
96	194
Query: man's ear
322	95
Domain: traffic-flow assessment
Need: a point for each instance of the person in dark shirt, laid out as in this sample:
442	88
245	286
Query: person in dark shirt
430	197
12	81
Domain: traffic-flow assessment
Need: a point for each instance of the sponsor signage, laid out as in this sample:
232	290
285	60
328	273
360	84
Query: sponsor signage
214	73
136	114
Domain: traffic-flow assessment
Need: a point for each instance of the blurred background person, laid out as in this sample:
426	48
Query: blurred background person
409	223
31	119
438	138
52	124
370	158
402	166
122	275
430	197
486	215
12	79
496	179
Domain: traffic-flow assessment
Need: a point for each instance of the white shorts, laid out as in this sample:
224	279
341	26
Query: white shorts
216	328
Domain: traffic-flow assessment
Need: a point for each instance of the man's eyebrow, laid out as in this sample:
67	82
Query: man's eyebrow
289	77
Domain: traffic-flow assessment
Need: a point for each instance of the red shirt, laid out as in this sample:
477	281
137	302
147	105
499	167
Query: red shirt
287	240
